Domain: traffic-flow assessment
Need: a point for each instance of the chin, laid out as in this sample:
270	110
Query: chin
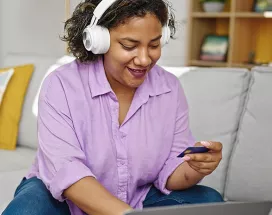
135	82
134	85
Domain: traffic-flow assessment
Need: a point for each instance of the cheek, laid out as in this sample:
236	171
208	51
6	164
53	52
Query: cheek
120	55
125	57
155	55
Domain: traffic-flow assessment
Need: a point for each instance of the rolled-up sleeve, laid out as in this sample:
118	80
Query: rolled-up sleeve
61	160
182	139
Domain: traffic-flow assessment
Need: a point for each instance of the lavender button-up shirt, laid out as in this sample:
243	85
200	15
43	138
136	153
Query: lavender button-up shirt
79	134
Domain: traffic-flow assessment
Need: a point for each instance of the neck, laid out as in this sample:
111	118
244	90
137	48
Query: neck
119	89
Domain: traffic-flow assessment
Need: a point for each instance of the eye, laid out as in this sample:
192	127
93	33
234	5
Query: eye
128	48
155	46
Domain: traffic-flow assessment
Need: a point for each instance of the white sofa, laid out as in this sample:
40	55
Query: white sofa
233	106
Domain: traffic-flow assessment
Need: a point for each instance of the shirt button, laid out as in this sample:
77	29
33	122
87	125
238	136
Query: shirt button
123	135
121	163
122	189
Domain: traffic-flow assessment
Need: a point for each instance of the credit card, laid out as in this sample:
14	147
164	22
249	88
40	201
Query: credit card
193	150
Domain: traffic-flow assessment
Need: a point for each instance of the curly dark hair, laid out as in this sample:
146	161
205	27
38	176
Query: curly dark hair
118	13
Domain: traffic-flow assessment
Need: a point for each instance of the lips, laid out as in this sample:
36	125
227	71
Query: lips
137	73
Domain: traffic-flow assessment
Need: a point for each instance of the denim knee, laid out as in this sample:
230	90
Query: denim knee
212	194
196	195
32	198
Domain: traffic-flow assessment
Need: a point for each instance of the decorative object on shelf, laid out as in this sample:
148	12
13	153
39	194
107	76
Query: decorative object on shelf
213	5
252	61
262	5
214	48
251	57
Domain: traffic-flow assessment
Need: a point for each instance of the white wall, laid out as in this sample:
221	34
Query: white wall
34	26
174	54
31	26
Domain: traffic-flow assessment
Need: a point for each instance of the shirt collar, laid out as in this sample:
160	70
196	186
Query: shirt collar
155	83
99	84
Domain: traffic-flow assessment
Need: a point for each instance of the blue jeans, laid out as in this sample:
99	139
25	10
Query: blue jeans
32	198
195	195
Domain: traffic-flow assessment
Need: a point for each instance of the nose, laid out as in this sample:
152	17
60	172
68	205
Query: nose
142	59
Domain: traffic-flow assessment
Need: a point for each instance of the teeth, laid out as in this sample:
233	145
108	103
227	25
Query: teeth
138	71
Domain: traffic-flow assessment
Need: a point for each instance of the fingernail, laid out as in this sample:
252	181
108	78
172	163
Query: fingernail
205	143
186	158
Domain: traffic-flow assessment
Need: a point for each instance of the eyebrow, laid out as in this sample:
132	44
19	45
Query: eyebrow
136	41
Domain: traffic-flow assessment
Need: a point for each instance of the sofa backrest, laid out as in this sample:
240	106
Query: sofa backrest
216	98
28	124
250	170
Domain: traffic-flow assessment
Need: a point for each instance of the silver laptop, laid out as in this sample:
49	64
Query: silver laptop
227	208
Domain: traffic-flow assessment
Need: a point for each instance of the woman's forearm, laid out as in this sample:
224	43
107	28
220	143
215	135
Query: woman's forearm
183	177
91	197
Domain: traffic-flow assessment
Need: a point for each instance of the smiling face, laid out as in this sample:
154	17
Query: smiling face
135	48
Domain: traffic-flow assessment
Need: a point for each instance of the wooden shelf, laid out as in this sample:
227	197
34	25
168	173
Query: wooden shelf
249	33
220	64
228	15
211	15
249	15
208	63
243	65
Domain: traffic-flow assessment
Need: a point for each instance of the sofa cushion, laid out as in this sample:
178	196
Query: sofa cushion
13	167
27	135
250	170
216	97
21	158
8	183
12	105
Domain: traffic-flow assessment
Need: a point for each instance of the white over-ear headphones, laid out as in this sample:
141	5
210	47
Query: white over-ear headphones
97	38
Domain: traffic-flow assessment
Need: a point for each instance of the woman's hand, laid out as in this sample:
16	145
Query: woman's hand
205	163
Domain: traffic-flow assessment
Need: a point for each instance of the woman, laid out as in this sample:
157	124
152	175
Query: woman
111	126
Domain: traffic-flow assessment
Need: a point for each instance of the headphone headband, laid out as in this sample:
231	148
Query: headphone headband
105	4
97	38
102	7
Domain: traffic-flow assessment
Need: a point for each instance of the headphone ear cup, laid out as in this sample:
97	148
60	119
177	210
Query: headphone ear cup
96	39
166	35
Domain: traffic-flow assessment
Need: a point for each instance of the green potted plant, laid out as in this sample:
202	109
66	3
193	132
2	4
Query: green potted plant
213	5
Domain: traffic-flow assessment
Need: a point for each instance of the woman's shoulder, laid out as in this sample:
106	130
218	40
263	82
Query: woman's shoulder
68	71
67	77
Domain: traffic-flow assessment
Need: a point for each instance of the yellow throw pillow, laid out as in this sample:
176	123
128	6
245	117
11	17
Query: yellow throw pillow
12	104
